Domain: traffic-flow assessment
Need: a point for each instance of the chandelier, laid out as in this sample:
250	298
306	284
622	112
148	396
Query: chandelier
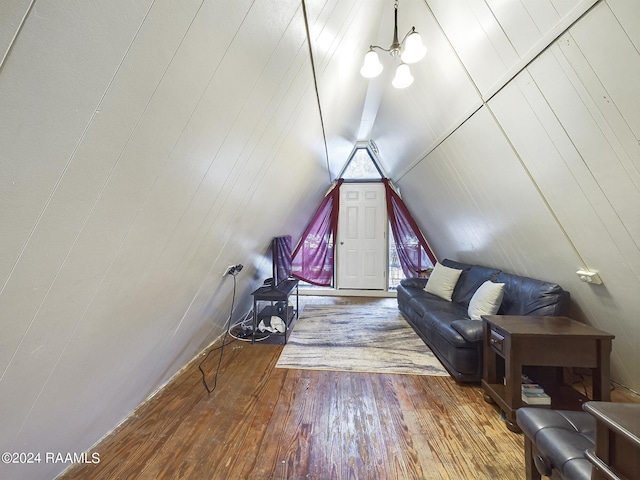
410	50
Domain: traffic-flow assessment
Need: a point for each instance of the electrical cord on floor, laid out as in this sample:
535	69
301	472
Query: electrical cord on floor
221	347
582	374
247	331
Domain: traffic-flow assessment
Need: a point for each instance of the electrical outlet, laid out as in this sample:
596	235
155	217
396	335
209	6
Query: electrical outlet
233	269
589	277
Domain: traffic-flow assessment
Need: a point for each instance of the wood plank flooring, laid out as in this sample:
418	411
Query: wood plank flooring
266	423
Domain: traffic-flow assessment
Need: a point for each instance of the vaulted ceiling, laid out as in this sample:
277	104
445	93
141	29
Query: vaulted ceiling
148	145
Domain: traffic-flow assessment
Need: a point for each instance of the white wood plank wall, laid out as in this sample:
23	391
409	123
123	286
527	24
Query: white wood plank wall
544	179
146	147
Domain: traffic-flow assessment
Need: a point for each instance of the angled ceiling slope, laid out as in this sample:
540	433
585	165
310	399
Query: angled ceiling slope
405	123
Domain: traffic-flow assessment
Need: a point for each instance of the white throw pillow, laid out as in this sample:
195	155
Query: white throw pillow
486	300
442	281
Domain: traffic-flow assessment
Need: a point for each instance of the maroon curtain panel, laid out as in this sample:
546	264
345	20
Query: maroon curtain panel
414	253
313	256
281	253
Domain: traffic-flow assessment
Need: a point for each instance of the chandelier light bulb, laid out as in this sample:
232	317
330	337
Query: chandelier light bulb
403	76
410	50
371	66
414	49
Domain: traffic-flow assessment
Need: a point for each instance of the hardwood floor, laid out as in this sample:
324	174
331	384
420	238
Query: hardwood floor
266	423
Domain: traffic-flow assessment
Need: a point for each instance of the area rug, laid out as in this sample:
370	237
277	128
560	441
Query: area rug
357	338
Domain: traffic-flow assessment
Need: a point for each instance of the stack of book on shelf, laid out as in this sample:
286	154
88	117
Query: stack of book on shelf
533	394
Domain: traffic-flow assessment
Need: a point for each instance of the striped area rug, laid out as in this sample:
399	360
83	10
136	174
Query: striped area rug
354	338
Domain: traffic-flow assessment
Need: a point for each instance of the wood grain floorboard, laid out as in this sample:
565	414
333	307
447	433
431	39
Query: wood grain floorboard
263	422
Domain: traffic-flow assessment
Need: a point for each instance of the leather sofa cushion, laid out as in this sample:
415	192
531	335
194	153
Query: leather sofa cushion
435	315
425	303
448	319
471	330
414	282
459	360
528	296
440	324
404	294
471	278
447	262
561	437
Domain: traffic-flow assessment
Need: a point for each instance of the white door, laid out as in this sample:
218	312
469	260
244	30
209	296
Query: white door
362	237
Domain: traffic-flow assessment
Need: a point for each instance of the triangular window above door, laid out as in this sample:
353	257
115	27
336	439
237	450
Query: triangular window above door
362	165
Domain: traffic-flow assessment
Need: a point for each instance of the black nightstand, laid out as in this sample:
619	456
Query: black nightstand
271	301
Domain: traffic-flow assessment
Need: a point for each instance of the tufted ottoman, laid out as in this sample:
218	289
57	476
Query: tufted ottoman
555	441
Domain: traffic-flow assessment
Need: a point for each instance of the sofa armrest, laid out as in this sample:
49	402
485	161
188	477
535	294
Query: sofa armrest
414	282
471	330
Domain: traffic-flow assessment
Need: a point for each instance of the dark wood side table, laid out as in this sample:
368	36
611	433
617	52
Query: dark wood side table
617	449
511	342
